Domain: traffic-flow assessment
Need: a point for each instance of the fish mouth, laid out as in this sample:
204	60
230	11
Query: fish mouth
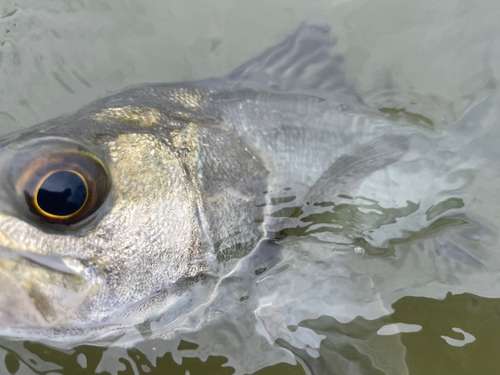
40	291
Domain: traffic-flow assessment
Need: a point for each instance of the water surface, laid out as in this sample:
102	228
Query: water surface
412	287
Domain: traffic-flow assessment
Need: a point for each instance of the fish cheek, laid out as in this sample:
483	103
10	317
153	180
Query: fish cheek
151	230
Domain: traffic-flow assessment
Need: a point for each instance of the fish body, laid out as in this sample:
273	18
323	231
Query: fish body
180	181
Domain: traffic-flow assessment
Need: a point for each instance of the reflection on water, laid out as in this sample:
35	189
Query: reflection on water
402	278
426	348
452	336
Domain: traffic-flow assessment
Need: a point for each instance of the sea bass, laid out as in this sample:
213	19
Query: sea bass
108	215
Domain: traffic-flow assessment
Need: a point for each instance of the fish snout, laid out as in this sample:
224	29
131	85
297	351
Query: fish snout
39	291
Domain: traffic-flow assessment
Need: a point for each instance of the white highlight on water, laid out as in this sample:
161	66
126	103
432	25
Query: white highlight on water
395	328
468	338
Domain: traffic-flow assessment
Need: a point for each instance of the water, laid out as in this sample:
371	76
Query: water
419	295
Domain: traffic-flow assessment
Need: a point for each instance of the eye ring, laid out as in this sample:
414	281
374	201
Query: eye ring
63	187
53	216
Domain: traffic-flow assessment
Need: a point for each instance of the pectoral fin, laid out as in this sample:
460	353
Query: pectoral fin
346	174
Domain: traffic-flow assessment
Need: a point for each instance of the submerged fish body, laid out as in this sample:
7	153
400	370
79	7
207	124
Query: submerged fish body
179	183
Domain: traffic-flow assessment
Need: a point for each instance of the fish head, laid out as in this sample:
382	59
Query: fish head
103	211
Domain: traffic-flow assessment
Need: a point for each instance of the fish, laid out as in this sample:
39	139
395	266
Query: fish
116	214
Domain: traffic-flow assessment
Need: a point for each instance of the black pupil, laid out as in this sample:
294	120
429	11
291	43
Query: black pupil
62	193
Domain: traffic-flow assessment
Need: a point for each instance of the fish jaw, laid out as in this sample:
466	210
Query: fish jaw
40	291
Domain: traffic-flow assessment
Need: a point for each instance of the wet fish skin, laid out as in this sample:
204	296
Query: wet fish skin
168	204
186	163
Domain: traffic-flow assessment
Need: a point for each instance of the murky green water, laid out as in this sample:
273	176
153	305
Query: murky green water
406	299
341	351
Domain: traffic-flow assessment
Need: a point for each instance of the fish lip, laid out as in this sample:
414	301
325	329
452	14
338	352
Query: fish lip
37	303
57	263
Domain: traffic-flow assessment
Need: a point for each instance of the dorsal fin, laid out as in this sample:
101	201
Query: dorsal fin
304	60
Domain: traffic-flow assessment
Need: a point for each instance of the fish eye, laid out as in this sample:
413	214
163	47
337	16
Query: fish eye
64	187
61	194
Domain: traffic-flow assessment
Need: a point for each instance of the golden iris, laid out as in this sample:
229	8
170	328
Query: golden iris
61	194
64	187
